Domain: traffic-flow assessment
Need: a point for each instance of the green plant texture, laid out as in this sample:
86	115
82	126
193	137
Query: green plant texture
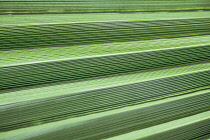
115	76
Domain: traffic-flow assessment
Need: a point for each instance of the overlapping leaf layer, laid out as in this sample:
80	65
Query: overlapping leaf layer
141	76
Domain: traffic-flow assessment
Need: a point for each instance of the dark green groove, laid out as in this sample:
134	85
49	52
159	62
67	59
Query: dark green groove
62	71
35	36
26	113
111	125
194	131
69	6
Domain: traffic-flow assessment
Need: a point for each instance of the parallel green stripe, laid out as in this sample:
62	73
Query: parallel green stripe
62	71
107	75
22	57
173	128
16	6
40	19
34	36
194	131
126	121
49	126
76	87
62	107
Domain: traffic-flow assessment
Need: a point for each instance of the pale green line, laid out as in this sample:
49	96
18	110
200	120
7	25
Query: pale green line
25	20
31	56
70	88
47	127
162	127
